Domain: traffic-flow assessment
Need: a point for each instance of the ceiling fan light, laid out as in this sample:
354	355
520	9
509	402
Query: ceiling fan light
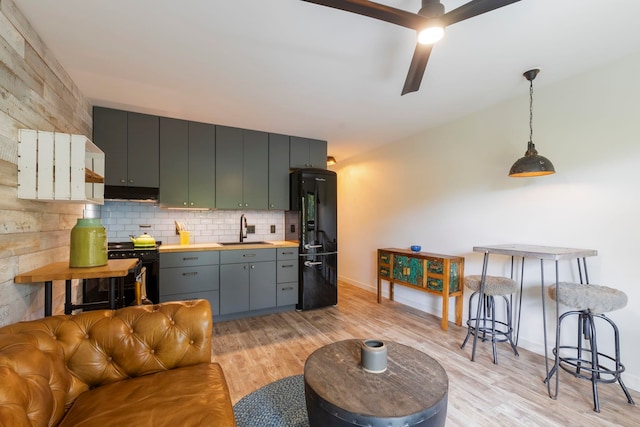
431	34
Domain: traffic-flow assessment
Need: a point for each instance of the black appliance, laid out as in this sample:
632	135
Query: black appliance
95	290
313	222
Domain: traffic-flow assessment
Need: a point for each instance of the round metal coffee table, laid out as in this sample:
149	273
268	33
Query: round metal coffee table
412	391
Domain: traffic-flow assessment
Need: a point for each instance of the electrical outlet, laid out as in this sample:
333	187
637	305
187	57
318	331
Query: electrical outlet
292	228
251	229
273	229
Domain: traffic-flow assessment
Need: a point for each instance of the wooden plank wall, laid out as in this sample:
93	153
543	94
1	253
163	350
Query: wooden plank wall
35	93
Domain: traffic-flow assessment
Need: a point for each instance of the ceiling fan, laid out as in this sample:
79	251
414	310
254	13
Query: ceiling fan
429	23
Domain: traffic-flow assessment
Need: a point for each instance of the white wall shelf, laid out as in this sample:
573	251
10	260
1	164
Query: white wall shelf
55	166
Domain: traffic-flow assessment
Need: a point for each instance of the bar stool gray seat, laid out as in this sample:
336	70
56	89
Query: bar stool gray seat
484	324
582	358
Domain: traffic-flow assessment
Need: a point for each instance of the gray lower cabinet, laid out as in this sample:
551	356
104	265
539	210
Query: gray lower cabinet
247	280
287	277
190	275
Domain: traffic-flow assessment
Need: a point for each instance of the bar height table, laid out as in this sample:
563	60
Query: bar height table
542	253
115	269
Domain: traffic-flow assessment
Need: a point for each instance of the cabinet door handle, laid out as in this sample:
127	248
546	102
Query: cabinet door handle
289	288
286	253
248	255
190	258
288	266
191	273
253	266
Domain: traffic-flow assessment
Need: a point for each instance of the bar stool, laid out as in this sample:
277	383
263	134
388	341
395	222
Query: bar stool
484	324
583	360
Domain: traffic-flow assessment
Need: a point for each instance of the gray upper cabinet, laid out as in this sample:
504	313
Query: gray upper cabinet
174	162
307	153
278	172
242	168
130	142
110	134
187	164
202	162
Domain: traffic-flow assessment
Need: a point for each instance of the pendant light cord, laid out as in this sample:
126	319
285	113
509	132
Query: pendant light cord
531	110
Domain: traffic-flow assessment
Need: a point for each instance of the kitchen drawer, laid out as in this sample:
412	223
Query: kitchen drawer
186	259
287	253
247	255
287	294
212	296
287	271
189	279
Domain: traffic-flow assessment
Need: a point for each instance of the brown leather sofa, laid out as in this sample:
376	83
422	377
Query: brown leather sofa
146	365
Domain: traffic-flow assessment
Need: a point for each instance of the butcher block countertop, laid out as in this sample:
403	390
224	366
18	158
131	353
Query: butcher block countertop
62	271
227	247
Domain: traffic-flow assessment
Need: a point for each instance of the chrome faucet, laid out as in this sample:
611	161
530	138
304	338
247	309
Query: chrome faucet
243	228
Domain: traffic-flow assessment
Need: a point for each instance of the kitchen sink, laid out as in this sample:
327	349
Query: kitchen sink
242	243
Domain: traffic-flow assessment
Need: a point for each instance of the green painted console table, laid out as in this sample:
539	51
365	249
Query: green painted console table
433	273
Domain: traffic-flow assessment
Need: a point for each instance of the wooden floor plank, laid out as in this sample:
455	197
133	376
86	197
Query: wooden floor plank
254	352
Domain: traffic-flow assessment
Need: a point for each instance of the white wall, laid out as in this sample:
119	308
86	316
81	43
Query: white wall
447	189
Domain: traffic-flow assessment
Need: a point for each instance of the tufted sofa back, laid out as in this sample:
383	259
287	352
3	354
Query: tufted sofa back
45	364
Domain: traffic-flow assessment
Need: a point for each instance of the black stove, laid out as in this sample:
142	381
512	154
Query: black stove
96	289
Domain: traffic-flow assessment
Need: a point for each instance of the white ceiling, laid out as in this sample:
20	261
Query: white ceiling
297	68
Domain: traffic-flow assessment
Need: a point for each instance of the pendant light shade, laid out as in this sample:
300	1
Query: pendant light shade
532	164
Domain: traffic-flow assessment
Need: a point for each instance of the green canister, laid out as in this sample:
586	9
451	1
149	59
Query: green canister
88	243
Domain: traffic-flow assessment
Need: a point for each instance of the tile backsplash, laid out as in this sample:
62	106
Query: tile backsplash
122	219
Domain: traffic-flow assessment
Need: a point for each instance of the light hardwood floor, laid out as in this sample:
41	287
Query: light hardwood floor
256	351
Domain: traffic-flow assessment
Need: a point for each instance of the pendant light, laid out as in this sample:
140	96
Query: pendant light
532	164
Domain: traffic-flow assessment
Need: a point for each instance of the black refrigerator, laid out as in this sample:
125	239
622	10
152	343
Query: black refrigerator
313	223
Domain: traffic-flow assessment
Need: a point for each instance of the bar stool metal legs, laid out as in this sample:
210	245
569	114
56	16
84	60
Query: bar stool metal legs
582	359
483	324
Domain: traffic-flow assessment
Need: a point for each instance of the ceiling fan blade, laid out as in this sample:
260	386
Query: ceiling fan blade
376	11
417	67
474	8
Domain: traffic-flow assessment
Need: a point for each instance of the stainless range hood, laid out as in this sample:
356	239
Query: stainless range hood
118	192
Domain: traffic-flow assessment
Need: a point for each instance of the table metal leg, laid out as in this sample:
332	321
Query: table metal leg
112	293
552	394
68	305
48	299
480	300
518	316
